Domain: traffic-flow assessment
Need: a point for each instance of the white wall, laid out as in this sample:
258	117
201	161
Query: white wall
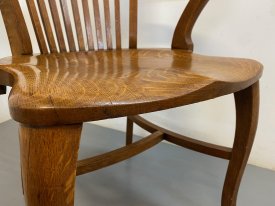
242	28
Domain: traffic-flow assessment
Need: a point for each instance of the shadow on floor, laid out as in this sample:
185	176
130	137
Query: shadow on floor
165	175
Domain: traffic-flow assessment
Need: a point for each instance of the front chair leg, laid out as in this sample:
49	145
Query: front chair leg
247	108
48	162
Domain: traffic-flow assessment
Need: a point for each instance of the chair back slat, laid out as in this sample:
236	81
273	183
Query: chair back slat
47	25
117	24
98	28
108	24
78	26
88	24
57	26
68	25
84	25
133	24
37	27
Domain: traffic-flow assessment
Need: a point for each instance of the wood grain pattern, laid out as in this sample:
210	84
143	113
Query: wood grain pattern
247	112
133	82
57	89
113	157
48	162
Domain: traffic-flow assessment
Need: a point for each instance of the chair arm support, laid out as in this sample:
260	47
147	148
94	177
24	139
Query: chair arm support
182	36
16	27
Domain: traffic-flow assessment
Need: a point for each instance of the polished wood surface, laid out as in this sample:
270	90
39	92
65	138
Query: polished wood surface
21	43
178	139
133	24
17	31
182	37
118	83
48	162
110	158
79	77
247	113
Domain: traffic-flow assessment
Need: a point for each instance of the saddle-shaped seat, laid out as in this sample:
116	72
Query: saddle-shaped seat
83	74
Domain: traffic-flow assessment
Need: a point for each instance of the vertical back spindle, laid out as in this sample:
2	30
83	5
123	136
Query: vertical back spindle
108	24
100	43
78	27
57	26
47	26
37	27
117	24
68	26
88	24
133	24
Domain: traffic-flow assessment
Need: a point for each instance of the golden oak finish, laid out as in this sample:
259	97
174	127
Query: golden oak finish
182	36
117	83
187	142
48	162
110	158
18	35
55	92
247	112
57	26
133	24
129	131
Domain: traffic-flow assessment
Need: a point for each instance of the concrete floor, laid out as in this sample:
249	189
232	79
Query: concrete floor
165	175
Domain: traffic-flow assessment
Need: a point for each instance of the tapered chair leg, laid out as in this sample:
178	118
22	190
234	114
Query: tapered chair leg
247	107
129	131
48	162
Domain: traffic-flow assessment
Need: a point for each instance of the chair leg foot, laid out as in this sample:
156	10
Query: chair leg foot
48	162
129	131
247	108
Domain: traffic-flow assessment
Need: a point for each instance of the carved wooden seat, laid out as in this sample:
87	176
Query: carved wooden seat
71	82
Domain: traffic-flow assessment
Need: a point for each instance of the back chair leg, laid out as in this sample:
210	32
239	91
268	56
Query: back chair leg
2	89
48	162
247	107
129	131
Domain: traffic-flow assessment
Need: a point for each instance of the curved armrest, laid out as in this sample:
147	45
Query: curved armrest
16	27
182	35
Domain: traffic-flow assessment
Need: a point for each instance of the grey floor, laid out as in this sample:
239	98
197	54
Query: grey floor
165	175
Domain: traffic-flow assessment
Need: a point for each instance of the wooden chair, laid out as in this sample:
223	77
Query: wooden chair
72	82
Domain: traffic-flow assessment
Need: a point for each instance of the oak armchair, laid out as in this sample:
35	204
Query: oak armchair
75	79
